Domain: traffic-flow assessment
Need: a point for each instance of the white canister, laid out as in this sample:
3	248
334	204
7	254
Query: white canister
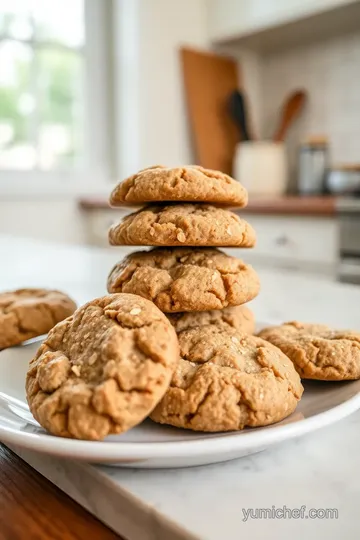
261	167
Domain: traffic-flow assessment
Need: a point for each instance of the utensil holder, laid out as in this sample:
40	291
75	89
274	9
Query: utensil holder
261	167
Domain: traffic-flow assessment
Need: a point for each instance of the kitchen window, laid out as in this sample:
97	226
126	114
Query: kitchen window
54	118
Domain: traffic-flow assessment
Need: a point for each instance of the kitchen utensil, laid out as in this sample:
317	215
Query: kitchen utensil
261	167
208	80
313	164
152	445
344	179
237	109
291	110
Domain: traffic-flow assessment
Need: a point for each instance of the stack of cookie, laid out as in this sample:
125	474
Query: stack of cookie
180	211
225	379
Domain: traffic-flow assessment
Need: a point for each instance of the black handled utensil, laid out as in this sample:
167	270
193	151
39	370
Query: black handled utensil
237	109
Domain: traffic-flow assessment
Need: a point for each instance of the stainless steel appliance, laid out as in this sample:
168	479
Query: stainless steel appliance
348	210
344	179
313	164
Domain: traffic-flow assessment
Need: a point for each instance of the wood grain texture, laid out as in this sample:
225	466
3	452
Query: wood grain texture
291	110
33	508
292	205
209	80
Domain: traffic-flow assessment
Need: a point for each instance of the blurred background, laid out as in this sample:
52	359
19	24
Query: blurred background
268	91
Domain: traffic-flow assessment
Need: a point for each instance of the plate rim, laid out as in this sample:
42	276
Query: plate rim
240	441
225	444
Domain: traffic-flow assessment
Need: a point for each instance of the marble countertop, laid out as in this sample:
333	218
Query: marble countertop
209	503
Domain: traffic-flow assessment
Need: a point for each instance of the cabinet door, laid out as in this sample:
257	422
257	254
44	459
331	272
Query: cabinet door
236	18
295	239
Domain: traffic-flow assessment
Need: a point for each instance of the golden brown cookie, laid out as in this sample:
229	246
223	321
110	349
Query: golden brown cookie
317	351
185	279
183	225
27	313
226	381
238	317
186	184
102	370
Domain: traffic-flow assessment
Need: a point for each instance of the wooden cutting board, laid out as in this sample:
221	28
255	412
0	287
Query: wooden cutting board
209	79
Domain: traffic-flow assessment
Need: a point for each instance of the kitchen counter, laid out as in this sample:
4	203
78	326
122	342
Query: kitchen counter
293	205
317	470
282	205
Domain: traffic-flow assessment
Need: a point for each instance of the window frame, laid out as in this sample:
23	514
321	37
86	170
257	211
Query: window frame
98	124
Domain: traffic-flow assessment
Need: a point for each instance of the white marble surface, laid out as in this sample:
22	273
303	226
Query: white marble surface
318	470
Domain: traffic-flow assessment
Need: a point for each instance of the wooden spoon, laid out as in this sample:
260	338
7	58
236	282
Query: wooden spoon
291	110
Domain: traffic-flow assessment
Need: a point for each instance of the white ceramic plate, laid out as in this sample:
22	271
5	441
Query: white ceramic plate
153	446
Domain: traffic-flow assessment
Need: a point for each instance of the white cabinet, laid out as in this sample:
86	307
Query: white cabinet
230	19
308	244
300	243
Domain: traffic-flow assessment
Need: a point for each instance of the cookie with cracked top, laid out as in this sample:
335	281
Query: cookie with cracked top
183	225
227	381
317	351
179	184
185	279
28	313
238	317
102	370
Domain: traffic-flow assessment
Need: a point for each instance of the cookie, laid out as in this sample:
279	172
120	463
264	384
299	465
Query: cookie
317	351
102	370
226	381
28	313
183	279
183	225
238	317
180	184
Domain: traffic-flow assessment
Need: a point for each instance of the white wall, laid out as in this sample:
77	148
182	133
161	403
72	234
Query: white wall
164	134
328	70
151	115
